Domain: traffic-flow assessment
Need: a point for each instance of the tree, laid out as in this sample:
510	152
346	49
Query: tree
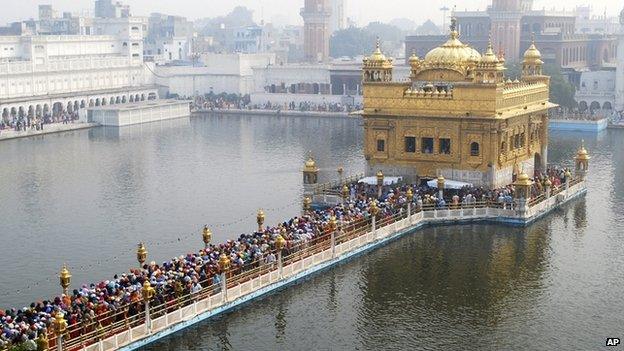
351	42
561	90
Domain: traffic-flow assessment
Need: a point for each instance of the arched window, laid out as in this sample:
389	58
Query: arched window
474	149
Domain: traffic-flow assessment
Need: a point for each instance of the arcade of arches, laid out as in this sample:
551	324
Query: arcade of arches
57	107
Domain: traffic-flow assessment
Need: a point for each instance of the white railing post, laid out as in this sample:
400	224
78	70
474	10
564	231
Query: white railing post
409	212
333	243
59	345
280	266
223	288
148	322
374	228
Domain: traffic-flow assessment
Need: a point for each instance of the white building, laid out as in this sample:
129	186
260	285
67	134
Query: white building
52	73
218	73
597	92
337	20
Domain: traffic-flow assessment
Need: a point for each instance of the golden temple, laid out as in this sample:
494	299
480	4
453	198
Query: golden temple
457	116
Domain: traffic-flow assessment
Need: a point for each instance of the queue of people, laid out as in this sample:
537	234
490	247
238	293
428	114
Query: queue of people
24	123
88	305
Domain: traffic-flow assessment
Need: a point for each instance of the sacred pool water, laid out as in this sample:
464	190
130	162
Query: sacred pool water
87	197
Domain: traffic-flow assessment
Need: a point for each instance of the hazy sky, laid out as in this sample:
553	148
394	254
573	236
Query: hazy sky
363	11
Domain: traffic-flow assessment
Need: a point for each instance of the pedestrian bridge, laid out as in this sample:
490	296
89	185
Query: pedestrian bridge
120	332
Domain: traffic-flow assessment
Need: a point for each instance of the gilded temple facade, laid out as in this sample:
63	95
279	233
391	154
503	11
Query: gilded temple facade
458	116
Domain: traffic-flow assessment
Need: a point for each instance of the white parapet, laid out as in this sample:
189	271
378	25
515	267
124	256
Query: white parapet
139	112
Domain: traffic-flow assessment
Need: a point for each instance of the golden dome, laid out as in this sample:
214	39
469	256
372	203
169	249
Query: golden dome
532	55
489	56
523	180
310	165
453	51
582	154
377	58
413	60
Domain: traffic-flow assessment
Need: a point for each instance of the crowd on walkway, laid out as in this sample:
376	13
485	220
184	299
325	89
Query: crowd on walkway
237	102
191	273
24	123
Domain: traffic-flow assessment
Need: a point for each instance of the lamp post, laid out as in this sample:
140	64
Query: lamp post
441	182
345	193
260	219
206	236
65	279
568	176
340	172
380	182
307	202
60	328
523	191
333	226
582	161
410	197
374	210
280	243
224	265
141	255
148	294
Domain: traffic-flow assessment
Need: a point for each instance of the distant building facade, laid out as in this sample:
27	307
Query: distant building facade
513	23
317	30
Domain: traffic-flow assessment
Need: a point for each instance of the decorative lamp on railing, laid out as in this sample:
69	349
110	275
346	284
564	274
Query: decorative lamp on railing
307	202
523	186
582	161
206	236
148	292
441	184
148	295
60	328
374	209
224	262
345	192
380	178
224	265
333	223
340	173
141	254
65	279
260	219
280	243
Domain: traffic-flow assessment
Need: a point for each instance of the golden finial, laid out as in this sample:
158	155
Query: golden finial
409	194
224	262
148	292
206	235
141	254
333	223
441	181
65	278
60	324
260	219
306	203
345	192
380	178
374	210
280	242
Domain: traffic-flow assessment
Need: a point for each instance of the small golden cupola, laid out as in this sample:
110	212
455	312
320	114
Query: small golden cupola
490	69
532	63
377	67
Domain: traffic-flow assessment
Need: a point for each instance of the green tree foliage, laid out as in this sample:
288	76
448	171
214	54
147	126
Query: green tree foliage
351	42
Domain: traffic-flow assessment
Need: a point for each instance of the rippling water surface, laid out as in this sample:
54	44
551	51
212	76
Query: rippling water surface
87	197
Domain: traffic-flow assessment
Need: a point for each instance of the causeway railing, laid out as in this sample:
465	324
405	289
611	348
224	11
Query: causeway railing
113	330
